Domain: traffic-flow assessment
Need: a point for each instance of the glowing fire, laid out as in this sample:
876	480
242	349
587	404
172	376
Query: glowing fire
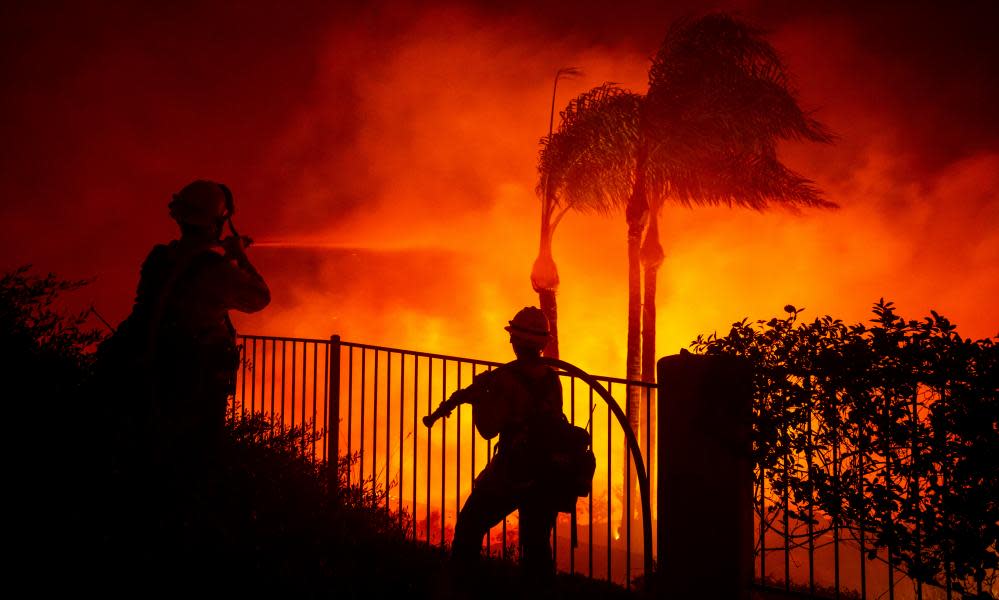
389	176
437	254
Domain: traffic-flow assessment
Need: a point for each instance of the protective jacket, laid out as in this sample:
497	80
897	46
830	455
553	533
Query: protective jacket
174	358
524	403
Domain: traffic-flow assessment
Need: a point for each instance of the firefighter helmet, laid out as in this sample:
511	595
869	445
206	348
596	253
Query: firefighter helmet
529	326
202	202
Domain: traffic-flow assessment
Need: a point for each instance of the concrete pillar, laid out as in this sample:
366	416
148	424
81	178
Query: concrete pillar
705	481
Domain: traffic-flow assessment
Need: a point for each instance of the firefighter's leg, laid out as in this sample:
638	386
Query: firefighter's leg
537	519
485	507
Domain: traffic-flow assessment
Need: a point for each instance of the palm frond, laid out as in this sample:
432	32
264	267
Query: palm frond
718	77
734	177
720	99
715	39
589	162
568	73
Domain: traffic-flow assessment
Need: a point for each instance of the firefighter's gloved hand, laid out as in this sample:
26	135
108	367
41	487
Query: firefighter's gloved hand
235	247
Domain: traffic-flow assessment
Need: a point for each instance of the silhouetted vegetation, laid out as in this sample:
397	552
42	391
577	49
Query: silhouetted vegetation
890	429
264	520
259	519
41	345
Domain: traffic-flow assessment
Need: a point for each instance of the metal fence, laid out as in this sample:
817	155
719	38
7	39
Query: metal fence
801	549
377	397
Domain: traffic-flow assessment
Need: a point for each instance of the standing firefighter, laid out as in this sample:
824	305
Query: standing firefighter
522	403
173	360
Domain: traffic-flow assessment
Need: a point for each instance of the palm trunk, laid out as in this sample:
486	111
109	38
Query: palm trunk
652	259
550	307
636	214
634	356
544	274
545	281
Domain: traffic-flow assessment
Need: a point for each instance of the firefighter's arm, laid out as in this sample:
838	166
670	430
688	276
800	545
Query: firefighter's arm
445	408
241	286
465	395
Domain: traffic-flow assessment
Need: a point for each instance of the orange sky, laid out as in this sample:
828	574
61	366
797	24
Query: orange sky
409	135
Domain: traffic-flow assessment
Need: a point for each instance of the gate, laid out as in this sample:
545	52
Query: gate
377	396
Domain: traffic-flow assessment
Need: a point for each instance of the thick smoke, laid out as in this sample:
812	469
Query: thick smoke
409	134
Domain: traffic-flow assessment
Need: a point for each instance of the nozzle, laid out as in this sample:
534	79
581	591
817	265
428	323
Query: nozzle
232	228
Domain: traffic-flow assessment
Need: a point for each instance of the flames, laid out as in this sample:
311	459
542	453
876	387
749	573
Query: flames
437	254
436	249
390	175
410	155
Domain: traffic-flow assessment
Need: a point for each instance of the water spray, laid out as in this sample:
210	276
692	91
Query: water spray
306	244
279	244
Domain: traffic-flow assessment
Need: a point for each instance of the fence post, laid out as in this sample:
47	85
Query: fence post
705	478
333	414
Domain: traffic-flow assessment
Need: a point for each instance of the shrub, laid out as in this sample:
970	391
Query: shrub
890	428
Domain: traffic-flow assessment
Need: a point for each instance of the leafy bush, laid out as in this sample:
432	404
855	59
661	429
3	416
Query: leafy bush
890	429
260	518
45	366
44	353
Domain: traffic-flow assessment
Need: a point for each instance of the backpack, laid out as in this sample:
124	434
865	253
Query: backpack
569	463
572	464
487	395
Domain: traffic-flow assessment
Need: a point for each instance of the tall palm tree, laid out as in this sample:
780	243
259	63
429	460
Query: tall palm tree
706	133
719	102
591	164
581	168
544	272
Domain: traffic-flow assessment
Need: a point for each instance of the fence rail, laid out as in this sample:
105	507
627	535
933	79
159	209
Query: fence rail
377	396
802	547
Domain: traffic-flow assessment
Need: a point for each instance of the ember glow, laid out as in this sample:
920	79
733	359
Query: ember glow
395	170
444	158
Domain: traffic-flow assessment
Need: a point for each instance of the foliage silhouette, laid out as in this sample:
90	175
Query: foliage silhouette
259	521
890	429
40	344
45	366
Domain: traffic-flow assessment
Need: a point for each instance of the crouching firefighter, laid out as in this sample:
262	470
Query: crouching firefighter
174	358
536	467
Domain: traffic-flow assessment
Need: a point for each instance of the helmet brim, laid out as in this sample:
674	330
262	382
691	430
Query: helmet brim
532	337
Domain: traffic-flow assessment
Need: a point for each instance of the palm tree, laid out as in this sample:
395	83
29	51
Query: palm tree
544	272
591	164
719	102
580	169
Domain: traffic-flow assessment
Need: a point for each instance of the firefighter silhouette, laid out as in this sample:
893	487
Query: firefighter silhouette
173	360
522	403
